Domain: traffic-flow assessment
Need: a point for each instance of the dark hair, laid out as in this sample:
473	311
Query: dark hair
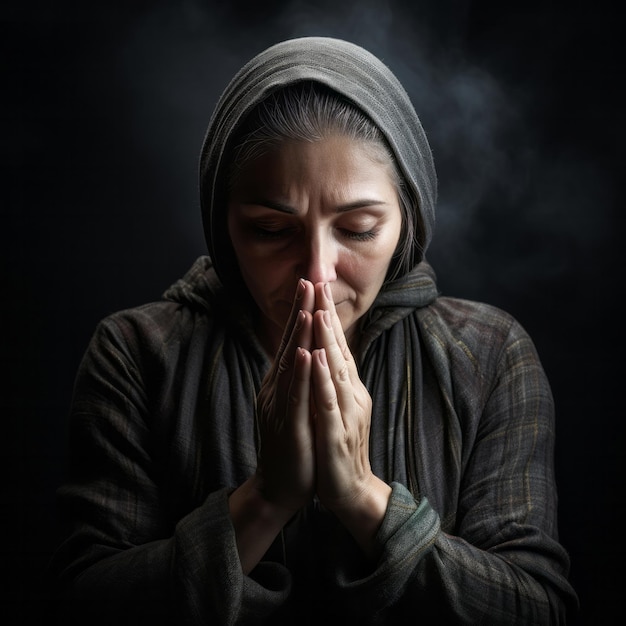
308	111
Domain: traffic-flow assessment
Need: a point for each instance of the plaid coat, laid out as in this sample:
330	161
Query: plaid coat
163	429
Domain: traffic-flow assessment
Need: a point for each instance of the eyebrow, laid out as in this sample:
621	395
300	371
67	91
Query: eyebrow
343	208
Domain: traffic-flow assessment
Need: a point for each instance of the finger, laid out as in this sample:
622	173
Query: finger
339	368
299	396
328	413
324	301
296	332
286	366
272	399
296	307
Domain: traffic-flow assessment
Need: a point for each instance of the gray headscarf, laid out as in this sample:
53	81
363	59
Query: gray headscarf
349	70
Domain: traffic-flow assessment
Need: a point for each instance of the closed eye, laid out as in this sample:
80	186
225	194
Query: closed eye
366	235
264	232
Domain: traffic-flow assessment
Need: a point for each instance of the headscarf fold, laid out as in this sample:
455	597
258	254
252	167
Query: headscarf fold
354	73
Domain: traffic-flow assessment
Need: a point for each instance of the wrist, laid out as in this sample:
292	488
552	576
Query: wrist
256	522
364	514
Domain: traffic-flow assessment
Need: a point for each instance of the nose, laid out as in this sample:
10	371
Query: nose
319	259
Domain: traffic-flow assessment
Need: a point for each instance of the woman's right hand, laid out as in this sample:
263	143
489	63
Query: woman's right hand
285	473
284	480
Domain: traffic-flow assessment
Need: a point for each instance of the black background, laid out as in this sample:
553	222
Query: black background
104	107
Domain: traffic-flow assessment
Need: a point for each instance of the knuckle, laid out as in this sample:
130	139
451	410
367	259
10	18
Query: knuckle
283	364
330	403
343	374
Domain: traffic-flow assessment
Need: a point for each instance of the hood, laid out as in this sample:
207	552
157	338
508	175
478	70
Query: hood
199	288
350	71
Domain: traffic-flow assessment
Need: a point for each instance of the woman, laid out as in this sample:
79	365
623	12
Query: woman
303	428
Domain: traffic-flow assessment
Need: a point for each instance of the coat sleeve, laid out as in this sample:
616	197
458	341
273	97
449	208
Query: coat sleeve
126	558
501	562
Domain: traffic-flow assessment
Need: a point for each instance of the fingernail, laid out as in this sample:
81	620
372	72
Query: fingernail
299	319
323	359
327	320
300	289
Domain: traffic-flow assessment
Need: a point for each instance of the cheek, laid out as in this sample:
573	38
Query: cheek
244	252
365	273
265	277
375	259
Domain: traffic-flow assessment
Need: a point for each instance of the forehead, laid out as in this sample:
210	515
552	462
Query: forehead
336	159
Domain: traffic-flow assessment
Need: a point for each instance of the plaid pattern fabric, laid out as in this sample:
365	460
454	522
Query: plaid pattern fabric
163	428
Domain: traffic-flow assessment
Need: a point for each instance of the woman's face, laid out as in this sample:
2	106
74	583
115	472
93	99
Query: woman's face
326	211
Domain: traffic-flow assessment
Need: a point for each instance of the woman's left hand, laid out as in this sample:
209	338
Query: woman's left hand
345	483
